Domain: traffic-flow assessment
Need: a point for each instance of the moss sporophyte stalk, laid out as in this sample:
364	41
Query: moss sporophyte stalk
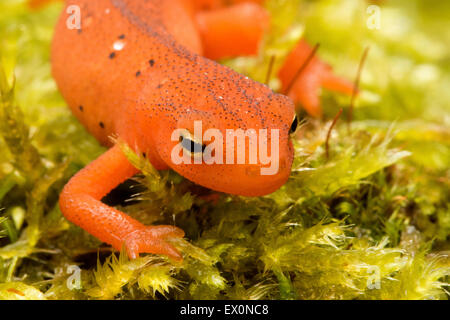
370	221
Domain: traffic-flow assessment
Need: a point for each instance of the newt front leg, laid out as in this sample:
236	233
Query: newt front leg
80	203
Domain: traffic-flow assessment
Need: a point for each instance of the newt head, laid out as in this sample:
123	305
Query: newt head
235	138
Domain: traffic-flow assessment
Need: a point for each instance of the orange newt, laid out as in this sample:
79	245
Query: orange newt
140	70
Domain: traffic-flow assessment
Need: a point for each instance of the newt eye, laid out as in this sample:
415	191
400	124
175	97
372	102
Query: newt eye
190	145
294	125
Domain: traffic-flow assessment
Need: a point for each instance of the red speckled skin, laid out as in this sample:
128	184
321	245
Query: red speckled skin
156	83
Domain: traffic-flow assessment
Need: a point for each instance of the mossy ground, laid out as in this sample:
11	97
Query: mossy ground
370	222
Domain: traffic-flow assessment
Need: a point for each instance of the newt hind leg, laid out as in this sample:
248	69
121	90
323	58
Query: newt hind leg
80	203
232	31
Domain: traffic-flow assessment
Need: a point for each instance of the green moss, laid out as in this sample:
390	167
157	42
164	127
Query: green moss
370	222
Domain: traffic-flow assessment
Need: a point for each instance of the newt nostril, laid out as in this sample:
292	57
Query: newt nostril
253	171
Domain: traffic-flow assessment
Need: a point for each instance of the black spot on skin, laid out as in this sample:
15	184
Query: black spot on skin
81	108
151	62
144	154
79	31
112	55
122	36
101	124
138	74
